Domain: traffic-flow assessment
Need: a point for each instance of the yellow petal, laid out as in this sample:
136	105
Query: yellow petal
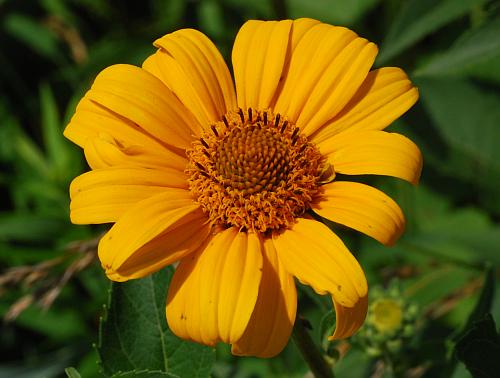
317	257
349	319
153	233
274	315
143	99
363	208
104	195
384	96
259	54
325	70
373	153
104	151
214	291
191	66
92	119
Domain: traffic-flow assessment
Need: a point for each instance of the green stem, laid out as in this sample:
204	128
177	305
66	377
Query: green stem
309	350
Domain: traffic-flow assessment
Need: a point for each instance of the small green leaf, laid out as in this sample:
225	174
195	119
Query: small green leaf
30	154
55	144
419	18
134	334
474	47
71	372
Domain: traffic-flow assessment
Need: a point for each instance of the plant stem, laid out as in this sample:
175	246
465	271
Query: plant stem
309	350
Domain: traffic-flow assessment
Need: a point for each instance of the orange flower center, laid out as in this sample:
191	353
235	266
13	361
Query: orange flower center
254	170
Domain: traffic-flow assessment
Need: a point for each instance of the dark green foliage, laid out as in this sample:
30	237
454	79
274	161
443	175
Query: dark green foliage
449	48
134	335
479	348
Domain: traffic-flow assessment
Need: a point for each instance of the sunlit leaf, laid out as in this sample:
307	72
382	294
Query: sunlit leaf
134	334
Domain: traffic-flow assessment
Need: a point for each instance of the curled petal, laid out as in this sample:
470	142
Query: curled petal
349	319
105	151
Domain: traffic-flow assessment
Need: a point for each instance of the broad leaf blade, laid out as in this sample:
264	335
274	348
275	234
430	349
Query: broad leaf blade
474	47
479	348
467	117
418	19
134	335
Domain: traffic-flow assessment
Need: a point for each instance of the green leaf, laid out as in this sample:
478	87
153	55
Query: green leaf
144	374
467	118
339	12
71	372
29	227
419	18
134	334
474	47
479	348
55	144
30	154
484	302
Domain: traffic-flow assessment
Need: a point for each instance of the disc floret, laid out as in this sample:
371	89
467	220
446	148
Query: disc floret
254	170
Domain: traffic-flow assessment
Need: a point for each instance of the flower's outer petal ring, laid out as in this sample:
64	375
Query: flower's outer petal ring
104	195
373	152
190	65
384	96
213	292
104	151
349	319
318	258
325	70
143	99
153	233
363	208
258	57
272	321
91	119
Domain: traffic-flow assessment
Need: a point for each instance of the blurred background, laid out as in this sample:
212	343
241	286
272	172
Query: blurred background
432	292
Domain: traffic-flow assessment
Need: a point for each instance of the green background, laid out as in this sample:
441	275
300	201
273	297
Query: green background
50	51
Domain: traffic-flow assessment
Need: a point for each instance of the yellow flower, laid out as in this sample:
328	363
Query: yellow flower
223	179
387	315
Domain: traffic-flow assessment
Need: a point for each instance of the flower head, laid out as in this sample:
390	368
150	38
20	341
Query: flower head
223	178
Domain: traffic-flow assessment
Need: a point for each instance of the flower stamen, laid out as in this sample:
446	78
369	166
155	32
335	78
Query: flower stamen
258	173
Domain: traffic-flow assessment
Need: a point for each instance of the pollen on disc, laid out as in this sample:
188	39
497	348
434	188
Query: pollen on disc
254	170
